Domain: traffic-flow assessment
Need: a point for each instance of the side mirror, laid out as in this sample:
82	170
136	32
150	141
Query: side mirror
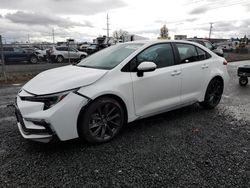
145	66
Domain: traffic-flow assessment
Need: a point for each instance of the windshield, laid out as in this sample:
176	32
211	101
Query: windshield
109	57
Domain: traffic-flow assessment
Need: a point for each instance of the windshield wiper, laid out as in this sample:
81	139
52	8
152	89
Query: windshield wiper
85	66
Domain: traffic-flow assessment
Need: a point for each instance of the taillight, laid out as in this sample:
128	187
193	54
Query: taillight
225	62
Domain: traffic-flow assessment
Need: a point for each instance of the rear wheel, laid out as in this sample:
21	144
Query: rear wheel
33	59
101	121
213	94
59	59
243	80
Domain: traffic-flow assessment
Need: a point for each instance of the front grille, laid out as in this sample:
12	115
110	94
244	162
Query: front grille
27	131
20	119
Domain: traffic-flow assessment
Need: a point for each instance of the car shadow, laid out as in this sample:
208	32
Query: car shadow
135	128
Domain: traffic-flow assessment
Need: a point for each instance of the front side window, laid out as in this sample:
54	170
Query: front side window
19	50
110	57
187	53
72	50
160	54
8	49
59	48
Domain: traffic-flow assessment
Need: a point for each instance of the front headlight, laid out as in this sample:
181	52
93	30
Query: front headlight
49	100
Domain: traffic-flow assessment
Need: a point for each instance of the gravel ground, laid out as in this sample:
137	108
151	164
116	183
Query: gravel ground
189	147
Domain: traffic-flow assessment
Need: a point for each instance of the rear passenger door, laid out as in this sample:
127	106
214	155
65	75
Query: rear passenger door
195	70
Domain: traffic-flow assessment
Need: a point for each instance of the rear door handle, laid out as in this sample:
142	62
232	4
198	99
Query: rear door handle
205	66
175	72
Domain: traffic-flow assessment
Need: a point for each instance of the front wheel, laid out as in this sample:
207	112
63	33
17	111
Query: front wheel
101	121
213	94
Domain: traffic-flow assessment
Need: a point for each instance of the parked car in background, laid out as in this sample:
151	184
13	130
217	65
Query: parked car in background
84	47
209	45
61	53
41	54
17	54
117	85
92	48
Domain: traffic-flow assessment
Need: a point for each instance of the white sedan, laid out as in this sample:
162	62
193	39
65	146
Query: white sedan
120	84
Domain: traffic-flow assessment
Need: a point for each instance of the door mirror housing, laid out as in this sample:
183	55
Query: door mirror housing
145	66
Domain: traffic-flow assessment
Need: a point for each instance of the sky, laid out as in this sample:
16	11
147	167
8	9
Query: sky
84	20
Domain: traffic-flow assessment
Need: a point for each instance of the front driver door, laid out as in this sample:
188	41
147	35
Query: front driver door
158	90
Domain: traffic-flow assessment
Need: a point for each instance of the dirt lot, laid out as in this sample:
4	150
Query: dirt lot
190	147
22	72
232	57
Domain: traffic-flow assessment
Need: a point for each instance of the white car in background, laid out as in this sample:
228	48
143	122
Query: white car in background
120	84
60	53
41	54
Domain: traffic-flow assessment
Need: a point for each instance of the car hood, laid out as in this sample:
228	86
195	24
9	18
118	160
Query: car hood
62	79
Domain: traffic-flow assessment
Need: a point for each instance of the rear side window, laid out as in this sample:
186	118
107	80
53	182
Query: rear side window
202	55
62	48
161	54
187	53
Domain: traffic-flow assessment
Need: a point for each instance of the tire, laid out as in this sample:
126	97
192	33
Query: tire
60	59
213	94
243	81
33	60
101	121
82	57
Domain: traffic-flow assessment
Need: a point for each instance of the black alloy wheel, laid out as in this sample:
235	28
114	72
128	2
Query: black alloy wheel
213	94
101	121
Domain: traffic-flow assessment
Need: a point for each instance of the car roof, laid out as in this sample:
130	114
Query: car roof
195	39
150	42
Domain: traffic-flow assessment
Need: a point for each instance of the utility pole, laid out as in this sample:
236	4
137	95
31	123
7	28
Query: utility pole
210	31
107	25
53	35
2	59
29	38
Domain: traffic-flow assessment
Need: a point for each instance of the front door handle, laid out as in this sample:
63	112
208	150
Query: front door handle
175	72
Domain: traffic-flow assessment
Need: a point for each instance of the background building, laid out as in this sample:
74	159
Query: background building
180	37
